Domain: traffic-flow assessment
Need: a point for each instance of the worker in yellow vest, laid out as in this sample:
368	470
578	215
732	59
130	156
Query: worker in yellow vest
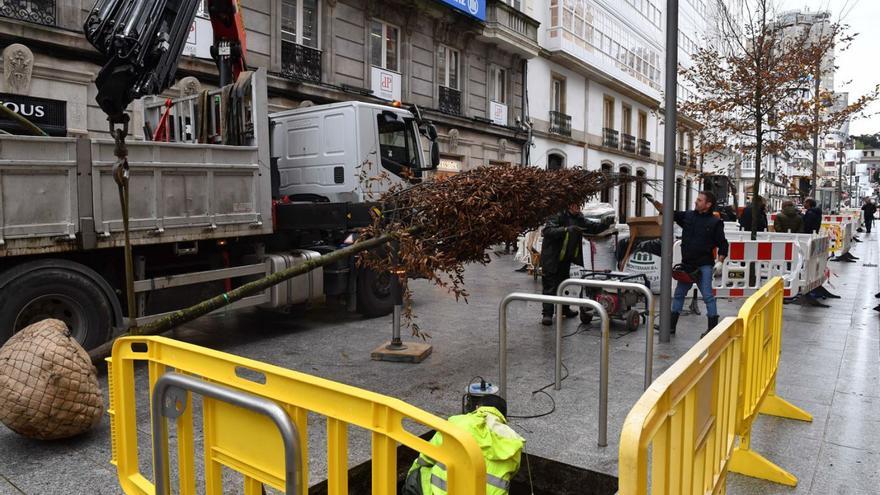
501	446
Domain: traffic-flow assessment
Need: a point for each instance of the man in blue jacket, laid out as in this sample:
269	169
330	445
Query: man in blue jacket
812	216
702	233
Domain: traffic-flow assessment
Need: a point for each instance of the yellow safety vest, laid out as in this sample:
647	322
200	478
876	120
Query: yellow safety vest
501	446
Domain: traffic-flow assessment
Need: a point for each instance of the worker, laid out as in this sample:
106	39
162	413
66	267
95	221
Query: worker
745	221
702	233
789	219
563	235
869	209
501	446
812	216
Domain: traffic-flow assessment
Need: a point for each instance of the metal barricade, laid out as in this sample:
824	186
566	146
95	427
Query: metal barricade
686	420
567	301
762	344
249	442
602	284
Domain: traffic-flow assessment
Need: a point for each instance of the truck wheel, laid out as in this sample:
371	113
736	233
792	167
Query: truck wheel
60	294
374	293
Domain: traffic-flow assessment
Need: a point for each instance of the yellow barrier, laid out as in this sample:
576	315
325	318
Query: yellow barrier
688	419
762	344
249	443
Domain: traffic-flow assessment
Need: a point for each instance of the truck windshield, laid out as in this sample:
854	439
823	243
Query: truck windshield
398	146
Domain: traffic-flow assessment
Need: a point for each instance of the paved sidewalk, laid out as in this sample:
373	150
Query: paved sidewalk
830	367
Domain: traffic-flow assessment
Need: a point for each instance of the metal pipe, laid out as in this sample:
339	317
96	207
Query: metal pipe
567	301
397	295
174	386
610	284
671	114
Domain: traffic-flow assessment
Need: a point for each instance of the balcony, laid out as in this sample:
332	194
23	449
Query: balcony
511	30
644	148
560	124
610	138
682	159
629	143
36	11
300	62
450	100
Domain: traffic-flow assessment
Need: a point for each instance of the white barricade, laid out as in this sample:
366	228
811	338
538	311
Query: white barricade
841	229
812	247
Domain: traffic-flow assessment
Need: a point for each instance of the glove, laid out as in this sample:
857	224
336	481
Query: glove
648	196
574	229
716	270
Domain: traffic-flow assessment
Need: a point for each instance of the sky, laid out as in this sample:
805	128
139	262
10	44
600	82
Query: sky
858	70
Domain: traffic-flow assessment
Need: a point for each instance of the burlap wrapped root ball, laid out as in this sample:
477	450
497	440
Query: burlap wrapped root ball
48	386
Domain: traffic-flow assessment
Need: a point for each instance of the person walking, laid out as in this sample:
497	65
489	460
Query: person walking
745	221
812	216
560	248
789	219
702	233
869	209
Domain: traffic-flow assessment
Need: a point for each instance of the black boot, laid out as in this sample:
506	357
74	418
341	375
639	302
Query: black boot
713	322
673	323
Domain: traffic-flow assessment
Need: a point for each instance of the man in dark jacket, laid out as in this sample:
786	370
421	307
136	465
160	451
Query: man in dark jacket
745	221
869	209
701	234
789	219
812	216
560	248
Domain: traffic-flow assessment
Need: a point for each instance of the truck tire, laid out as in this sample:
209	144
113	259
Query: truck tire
374	293
54	292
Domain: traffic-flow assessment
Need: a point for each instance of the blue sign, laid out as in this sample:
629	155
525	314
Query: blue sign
475	8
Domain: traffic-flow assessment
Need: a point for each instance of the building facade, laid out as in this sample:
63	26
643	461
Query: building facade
462	62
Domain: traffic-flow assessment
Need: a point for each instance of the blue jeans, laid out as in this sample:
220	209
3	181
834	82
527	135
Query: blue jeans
705	286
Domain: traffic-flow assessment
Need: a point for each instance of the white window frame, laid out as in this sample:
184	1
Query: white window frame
499	79
447	52
557	82
385	26
299	23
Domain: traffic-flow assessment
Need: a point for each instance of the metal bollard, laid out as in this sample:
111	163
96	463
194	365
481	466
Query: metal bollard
175	386
568	301
609	284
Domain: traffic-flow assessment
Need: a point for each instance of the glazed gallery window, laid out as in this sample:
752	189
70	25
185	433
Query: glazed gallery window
384	46
448	64
299	22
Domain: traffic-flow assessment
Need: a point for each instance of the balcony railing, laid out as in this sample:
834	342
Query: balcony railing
629	143
300	62
511	29
36	11
450	100
682	159
644	147
560	123
610	138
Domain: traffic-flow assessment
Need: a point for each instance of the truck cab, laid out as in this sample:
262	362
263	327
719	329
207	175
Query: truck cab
325	152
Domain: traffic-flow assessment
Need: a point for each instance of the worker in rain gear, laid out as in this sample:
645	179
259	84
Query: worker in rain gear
789	219
563	237
501	446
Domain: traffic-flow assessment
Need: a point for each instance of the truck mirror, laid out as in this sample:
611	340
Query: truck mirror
432	132
435	154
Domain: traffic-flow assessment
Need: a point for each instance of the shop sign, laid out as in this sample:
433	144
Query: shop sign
475	8
386	84
48	115
449	165
498	113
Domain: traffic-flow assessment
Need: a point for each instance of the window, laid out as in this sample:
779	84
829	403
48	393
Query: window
299	22
623	197
398	146
499	85
640	191
608	113
555	162
448	65
689	193
679	184
384	46
627	119
605	195
557	100
643	125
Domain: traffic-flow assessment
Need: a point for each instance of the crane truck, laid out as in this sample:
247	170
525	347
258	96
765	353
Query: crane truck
221	191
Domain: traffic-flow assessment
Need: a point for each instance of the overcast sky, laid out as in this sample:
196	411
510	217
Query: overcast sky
859	68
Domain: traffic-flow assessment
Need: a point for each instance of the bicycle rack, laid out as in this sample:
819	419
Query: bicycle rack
609	284
568	301
174	387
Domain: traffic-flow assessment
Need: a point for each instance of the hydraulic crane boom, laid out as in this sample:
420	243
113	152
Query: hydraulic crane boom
142	41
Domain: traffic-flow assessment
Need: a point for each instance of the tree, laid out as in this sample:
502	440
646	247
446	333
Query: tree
869	140
751	89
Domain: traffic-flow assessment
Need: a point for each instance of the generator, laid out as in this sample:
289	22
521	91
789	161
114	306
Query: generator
618	303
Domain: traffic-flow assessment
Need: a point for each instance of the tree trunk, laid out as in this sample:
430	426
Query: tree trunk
185	315
817	76
756	186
